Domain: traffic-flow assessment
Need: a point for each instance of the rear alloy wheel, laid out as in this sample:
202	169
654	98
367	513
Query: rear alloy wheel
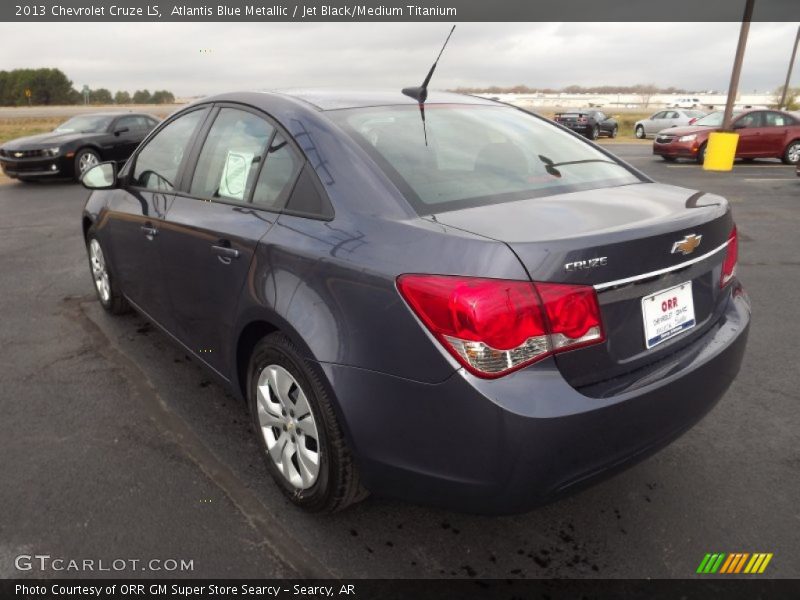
792	154
639	132
701	154
104	285
85	160
595	132
299	435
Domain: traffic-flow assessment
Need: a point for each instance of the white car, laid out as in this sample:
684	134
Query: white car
664	120
685	103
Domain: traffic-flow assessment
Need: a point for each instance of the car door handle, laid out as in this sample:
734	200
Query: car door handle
149	231
225	253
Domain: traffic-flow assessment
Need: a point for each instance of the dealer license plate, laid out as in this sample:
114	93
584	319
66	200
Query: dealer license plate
667	313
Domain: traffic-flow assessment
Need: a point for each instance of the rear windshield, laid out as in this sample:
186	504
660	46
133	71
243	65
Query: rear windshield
477	155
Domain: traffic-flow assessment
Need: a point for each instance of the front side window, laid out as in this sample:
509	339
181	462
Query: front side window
231	154
477	154
751	120
158	162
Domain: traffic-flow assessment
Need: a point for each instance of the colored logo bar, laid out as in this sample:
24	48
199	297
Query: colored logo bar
736	562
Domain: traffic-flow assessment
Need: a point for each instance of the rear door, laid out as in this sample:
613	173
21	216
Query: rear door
136	213
776	130
243	172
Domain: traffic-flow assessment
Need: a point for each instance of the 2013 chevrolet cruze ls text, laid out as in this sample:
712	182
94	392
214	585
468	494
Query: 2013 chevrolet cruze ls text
480	310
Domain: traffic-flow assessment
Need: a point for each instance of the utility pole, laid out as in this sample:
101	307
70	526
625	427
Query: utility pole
737	64
782	103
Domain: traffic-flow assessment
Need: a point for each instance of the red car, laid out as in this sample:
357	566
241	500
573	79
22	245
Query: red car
762	134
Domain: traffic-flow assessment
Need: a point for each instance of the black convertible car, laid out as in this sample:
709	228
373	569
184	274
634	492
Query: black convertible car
589	122
74	146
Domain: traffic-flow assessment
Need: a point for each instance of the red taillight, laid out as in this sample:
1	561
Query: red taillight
731	257
495	326
583	120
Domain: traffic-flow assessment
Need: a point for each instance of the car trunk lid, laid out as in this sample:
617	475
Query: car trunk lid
628	243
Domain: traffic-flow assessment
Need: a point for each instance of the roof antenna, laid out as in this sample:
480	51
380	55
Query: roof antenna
420	94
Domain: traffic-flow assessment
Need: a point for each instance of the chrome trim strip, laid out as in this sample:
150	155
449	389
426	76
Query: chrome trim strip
609	284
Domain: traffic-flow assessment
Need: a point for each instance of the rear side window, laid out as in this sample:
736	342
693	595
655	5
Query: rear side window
277	175
477	154
158	163
774	119
231	153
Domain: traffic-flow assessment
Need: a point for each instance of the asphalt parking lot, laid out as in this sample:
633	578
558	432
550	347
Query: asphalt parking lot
114	444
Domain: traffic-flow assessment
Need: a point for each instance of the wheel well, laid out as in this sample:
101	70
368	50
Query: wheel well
87	223
94	149
250	336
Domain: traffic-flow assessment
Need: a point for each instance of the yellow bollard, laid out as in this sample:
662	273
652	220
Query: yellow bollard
720	151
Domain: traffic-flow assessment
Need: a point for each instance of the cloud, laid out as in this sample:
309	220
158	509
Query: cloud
275	55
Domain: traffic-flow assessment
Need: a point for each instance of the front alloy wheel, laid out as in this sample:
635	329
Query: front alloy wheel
104	285
85	160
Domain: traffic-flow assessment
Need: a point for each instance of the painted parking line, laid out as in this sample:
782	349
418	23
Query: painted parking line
771	179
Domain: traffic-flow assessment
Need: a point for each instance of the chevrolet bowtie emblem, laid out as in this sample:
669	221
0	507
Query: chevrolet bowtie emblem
687	244
18	154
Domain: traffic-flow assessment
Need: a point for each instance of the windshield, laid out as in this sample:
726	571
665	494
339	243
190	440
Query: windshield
85	124
714	119
477	154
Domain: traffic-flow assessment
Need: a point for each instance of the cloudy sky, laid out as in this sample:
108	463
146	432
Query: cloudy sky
266	55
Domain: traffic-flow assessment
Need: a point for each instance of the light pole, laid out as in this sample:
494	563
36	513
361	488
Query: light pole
782	103
737	64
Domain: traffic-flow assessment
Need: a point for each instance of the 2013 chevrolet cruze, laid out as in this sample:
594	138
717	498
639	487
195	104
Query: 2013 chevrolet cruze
481	310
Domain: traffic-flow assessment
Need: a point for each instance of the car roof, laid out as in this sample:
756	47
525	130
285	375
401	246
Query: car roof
323	99
118	113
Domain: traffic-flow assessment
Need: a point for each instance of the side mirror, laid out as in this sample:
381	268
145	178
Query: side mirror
102	176
739	126
122	130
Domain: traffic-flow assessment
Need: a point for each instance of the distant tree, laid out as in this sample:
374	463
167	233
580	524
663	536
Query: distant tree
100	96
162	97
645	91
141	97
122	97
792	101
47	86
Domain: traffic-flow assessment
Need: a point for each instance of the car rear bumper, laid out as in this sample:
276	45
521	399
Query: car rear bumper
507	445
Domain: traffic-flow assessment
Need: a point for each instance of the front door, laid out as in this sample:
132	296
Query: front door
136	214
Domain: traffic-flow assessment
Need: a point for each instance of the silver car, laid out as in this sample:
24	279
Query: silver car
665	119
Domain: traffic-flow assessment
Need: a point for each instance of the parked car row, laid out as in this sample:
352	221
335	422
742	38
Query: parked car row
76	145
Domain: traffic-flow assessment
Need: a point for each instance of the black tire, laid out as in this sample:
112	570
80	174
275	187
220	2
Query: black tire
114	302
792	148
701	154
82	155
338	484
595	133
668	158
614	132
640	135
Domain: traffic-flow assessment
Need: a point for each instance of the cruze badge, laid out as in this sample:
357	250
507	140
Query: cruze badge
589	263
687	244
